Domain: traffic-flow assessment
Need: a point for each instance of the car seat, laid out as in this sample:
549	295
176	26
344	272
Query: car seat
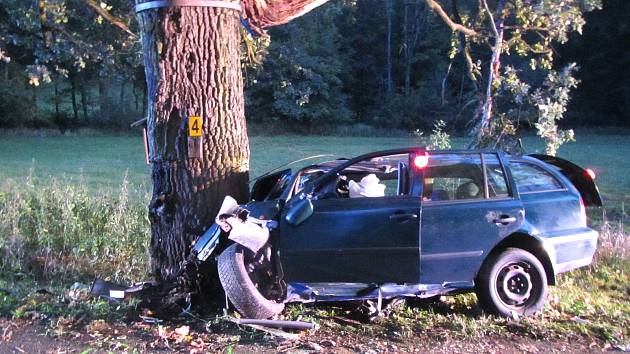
467	190
439	194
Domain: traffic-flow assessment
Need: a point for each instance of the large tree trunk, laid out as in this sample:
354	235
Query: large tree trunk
192	67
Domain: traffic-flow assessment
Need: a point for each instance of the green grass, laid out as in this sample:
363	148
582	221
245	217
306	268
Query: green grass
55	230
101	161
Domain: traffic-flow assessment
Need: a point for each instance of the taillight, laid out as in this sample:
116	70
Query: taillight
582	211
591	173
421	161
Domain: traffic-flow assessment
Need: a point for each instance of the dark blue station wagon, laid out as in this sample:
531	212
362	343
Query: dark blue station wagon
412	223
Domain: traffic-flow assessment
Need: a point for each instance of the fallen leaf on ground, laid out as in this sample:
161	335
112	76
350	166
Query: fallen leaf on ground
183	330
313	346
97	326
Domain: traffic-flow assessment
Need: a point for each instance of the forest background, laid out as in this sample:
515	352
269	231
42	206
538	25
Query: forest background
367	67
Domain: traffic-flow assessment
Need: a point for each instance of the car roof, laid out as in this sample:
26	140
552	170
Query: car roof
361	166
327	165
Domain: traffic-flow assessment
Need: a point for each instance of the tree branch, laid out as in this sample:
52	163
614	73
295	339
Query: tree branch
109	17
493	25
266	13
464	47
437	8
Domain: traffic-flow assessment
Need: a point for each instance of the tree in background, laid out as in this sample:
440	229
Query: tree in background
603	96
384	63
521	35
300	80
394	71
72	44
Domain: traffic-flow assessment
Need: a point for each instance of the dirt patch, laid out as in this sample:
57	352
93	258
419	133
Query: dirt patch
42	336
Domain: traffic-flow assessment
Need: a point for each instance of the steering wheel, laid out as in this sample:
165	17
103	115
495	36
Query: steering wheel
342	187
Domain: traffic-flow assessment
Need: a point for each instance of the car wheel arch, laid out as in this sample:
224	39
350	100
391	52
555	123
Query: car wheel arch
528	243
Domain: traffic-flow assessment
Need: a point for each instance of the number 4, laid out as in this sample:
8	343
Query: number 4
195	126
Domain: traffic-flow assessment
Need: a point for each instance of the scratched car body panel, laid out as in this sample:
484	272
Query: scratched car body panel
411	222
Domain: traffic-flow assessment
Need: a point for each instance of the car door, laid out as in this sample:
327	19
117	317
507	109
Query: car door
356	240
468	207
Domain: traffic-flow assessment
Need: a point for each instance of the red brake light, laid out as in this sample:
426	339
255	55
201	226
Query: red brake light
421	161
591	173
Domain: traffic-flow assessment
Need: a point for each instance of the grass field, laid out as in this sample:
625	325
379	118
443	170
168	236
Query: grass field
102	161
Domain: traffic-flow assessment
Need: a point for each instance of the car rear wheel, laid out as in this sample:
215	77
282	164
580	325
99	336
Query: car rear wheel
237	266
513	281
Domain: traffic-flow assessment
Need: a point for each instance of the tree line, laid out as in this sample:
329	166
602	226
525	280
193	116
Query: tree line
381	63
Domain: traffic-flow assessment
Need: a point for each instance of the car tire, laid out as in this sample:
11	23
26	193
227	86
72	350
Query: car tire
512	282
240	289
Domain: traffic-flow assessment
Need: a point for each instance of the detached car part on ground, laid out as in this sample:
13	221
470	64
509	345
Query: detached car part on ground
425	224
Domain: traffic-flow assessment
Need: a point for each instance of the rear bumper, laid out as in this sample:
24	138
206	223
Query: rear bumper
569	251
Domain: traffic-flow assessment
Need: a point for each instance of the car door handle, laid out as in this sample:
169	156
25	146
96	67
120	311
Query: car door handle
402	217
505	219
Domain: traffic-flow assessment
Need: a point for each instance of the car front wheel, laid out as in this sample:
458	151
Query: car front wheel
242	285
513	281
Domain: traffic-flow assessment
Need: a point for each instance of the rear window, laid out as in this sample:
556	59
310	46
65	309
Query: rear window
531	178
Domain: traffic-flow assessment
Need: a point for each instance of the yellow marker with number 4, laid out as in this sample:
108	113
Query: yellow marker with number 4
195	127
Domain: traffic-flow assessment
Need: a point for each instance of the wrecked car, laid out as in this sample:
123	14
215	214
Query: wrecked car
406	223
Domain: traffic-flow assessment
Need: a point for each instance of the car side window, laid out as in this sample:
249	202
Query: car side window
305	178
381	176
497	183
453	177
531	178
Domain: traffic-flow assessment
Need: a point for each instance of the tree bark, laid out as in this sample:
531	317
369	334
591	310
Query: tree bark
192	67
437	8
266	13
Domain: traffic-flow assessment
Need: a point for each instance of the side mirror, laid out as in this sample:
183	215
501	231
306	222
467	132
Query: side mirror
299	212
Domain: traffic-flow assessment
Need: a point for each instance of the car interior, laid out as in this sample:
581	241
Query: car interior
379	176
448	177
458	180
